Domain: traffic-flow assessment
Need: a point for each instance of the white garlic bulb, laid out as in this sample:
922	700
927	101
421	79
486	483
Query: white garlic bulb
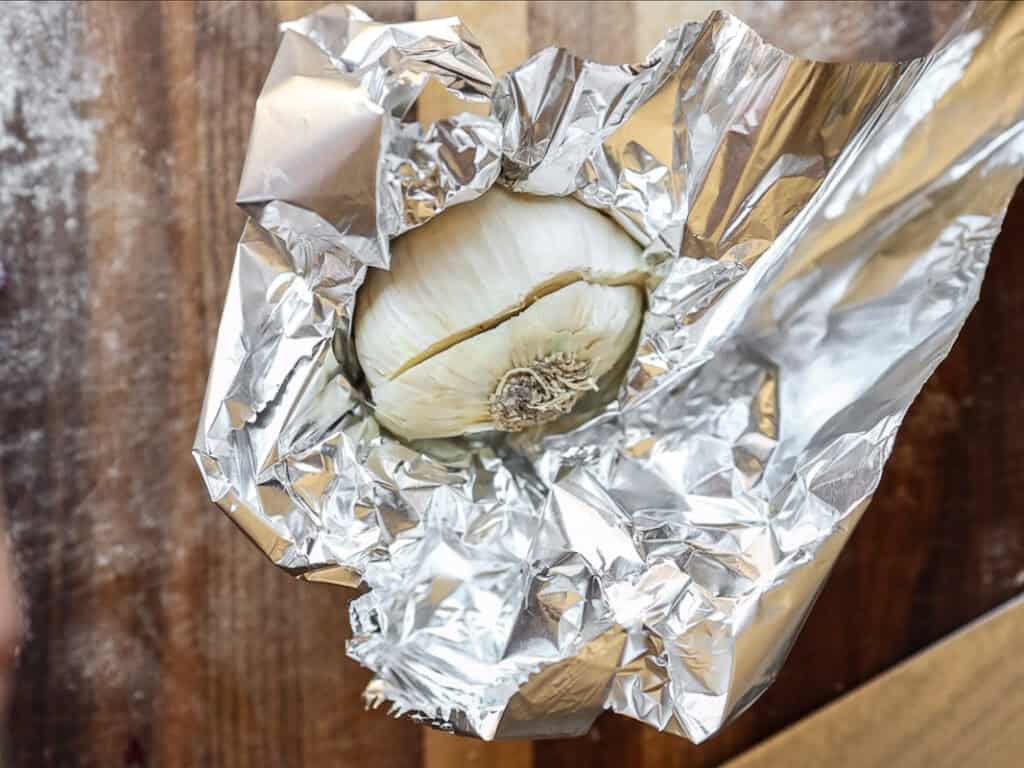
498	314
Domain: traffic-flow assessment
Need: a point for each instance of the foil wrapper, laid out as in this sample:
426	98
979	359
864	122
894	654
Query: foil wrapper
816	235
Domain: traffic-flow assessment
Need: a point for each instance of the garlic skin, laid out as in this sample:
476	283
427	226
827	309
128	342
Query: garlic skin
498	314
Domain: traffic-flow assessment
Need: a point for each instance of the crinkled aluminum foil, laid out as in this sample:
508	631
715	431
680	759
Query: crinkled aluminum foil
816	233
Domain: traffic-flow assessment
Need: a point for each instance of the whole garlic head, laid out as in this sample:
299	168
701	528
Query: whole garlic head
498	314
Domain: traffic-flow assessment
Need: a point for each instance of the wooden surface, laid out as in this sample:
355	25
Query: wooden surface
158	635
959	703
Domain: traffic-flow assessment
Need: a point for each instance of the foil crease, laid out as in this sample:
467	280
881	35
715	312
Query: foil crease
816	235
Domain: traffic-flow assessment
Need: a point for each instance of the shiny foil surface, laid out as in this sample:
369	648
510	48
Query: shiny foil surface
816	235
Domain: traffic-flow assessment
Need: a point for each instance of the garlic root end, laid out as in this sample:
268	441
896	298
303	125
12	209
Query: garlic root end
540	392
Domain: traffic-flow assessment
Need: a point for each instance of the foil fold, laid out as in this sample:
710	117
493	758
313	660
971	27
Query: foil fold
816	235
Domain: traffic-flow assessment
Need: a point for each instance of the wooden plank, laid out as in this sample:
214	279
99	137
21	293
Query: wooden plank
443	750
958	703
895	30
158	634
380	10
604	33
501	32
655	17
499	27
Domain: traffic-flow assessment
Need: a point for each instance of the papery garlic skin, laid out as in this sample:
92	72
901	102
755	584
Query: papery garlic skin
499	314
450	393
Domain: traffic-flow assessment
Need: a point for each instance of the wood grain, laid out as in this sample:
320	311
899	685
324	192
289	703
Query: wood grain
959	703
158	635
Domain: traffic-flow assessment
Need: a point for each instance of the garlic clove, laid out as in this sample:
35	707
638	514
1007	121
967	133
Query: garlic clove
529	369
478	264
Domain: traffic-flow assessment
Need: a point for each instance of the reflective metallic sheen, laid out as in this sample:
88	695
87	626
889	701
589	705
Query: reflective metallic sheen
816	235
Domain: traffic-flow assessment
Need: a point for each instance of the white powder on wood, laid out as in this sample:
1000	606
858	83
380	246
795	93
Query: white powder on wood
45	142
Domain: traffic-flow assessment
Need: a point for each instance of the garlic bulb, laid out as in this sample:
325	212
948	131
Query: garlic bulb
498	314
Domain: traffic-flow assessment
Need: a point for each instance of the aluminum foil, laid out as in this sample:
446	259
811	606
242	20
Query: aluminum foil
816	235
